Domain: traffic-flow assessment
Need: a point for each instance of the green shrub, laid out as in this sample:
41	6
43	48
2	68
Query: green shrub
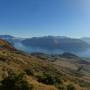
71	87
48	79
29	71
61	87
15	82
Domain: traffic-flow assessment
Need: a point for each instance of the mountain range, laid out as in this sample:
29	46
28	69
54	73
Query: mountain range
50	44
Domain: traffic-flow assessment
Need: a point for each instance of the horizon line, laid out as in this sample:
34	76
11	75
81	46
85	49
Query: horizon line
44	36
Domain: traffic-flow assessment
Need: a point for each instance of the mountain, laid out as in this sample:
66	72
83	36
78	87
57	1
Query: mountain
11	39
56	44
15	41
70	56
50	45
8	38
18	69
86	39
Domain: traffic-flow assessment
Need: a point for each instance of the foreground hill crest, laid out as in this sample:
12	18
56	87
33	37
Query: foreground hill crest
5	45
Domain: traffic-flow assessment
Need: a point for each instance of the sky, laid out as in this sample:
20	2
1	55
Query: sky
31	18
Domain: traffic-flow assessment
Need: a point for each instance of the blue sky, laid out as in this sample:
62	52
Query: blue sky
28	18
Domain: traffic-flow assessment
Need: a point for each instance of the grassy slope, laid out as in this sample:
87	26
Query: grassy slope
15	61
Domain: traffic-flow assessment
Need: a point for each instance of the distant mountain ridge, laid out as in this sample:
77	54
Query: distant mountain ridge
55	43
49	44
86	39
10	38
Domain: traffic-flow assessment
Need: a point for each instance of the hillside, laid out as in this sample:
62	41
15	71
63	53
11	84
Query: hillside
40	74
5	45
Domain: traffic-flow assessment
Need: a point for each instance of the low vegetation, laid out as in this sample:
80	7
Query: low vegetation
15	82
19	71
48	79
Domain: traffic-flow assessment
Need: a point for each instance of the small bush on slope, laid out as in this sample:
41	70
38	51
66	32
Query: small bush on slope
48	79
15	82
29	71
71	87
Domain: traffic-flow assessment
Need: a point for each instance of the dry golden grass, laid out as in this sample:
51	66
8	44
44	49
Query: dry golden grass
16	61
